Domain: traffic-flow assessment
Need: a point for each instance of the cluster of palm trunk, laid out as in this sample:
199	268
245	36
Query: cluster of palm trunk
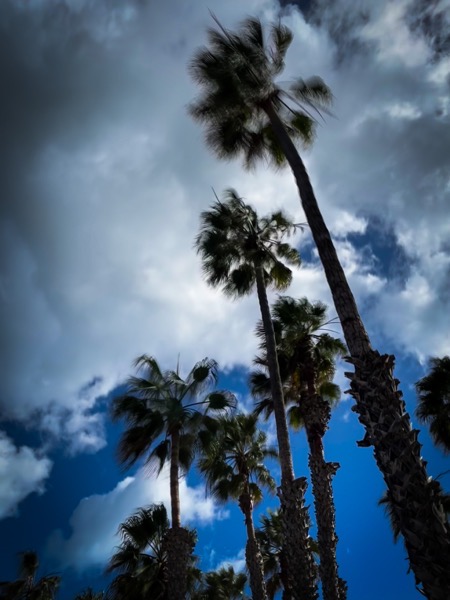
247	113
171	419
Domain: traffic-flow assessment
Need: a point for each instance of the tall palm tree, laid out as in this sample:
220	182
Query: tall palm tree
241	251
233	465
246	112
223	584
433	392
164	413
307	356
27	586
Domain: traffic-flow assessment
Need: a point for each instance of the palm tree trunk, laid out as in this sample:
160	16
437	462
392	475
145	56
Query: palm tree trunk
174	483
276	386
299	559
179	545
380	407
179	542
316	415
252	551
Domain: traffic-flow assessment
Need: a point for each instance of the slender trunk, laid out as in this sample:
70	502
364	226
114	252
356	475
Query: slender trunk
316	415
174	483
381	410
358	341
276	386
252	551
299	559
179	542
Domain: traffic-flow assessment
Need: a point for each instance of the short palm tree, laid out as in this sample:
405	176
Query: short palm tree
307	356
27	586
247	112
241	251
223	584
270	539
164	414
140	561
433	392
233	465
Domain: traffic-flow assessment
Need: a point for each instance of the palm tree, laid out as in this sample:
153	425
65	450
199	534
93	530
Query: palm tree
27	587
141	560
233	467
241	251
270	539
307	363
223	584
433	392
246	112
164	414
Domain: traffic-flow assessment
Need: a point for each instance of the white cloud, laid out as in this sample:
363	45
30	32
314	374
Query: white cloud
393	38
237	562
95	520
22	472
102	202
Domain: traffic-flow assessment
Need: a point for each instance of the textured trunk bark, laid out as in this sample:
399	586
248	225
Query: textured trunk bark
316	415
380	408
301	568
284	577
252	551
178	541
179	545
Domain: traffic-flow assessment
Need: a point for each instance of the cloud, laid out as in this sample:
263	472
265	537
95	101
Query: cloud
22	472
104	176
94	522
237	562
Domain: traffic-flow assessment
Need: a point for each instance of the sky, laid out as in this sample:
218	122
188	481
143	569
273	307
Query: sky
103	177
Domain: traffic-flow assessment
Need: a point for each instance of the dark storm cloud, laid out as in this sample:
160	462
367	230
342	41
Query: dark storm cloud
95	161
58	83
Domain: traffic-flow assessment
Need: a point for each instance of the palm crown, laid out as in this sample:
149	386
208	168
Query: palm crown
235	460
27	586
304	349
233	242
166	416
237	73
162	402
223	584
433	393
140	561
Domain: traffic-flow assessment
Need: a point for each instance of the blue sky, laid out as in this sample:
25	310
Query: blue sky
103	177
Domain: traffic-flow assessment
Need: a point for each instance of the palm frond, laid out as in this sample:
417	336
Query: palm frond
433	393
281	38
159	456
